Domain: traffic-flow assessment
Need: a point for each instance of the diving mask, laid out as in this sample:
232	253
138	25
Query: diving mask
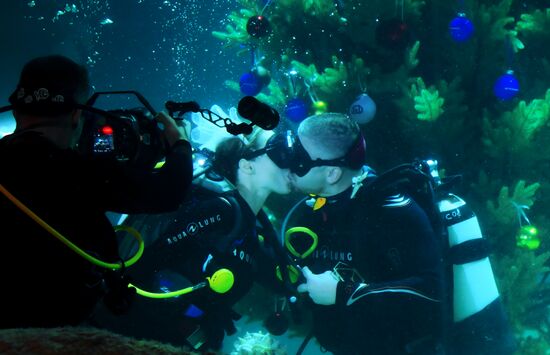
301	162
287	152
278	148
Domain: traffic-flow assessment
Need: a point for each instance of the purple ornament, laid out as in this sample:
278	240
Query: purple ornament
461	28
296	110
507	86
250	84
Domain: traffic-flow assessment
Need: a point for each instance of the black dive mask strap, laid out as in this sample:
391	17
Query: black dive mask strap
354	157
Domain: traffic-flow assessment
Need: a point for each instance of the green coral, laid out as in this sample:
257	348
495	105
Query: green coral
394	82
505	209
427	102
515	129
499	24
318	7
333	81
275	98
502	29
235	32
502	32
414	7
519	274
357	69
538	21
329	81
412	61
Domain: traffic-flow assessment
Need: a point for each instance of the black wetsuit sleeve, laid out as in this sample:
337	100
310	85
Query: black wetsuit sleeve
406	235
122	188
178	240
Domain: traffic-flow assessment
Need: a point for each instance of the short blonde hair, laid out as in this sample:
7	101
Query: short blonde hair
333	133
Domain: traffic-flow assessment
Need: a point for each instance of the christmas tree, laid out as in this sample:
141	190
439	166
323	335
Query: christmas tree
465	82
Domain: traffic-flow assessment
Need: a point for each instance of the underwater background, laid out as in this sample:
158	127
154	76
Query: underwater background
466	82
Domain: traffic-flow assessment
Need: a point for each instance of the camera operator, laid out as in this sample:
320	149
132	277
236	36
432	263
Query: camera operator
45	284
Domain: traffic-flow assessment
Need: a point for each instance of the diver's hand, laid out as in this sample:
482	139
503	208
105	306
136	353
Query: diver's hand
173	132
321	287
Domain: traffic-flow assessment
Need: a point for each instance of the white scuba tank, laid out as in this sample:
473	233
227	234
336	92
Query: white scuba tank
474	286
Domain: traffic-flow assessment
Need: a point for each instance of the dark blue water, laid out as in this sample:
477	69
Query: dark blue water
164	49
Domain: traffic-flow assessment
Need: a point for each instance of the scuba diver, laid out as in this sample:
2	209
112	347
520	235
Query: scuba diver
375	278
210	232
374	254
48	186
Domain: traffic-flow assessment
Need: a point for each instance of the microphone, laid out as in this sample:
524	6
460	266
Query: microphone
260	114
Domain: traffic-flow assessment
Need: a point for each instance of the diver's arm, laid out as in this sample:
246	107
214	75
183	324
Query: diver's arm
120	187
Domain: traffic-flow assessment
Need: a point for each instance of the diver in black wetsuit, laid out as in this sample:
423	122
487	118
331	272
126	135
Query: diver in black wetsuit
44	283
386	296
210	232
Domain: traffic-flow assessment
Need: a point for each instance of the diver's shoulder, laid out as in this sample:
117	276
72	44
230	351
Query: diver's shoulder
396	200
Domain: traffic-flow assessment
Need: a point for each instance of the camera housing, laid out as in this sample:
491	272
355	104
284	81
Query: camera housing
128	135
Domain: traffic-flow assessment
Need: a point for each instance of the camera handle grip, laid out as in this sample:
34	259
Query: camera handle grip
182	107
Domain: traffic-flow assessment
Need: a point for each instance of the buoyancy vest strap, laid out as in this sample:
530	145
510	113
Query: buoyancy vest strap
469	251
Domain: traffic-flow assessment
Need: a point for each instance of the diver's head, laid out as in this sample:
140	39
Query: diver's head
328	152
48	89
253	169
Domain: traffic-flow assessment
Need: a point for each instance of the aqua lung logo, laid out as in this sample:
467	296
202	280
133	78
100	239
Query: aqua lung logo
193	228
324	253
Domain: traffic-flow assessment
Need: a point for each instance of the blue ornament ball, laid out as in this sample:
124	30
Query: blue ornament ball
296	110
250	84
507	86
461	28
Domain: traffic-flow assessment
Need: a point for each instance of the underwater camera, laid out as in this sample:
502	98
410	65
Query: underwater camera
129	135
132	135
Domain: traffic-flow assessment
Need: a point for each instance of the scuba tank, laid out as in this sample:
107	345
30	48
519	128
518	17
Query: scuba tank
479	323
474	286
